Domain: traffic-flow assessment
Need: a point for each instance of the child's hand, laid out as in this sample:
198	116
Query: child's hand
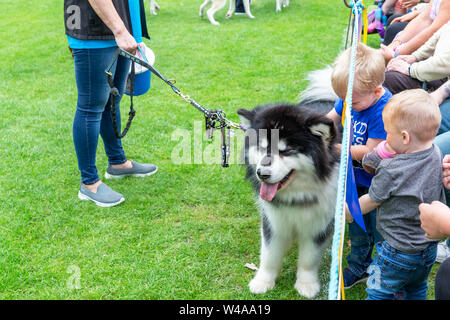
432	217
446	171
348	215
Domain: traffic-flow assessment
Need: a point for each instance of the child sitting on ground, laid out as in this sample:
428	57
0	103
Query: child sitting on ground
414	175
368	100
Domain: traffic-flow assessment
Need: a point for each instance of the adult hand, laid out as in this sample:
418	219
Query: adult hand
409	58
431	216
126	41
398	65
408	4
387	52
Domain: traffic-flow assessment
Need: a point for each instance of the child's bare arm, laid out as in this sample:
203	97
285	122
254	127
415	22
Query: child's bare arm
358	151
367	204
333	115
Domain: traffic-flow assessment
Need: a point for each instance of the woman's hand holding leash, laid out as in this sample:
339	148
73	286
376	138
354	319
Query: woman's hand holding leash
126	41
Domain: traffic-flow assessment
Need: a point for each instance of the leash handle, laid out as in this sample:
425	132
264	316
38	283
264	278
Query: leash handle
114	92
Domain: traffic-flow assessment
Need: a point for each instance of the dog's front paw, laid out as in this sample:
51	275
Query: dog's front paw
307	289
251	16
260	286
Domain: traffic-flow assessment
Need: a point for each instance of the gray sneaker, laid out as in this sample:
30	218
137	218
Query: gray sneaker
138	170
104	197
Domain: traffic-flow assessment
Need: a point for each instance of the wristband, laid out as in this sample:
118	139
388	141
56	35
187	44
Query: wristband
447	89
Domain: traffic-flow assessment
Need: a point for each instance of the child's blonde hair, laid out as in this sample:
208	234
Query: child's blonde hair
414	111
369	71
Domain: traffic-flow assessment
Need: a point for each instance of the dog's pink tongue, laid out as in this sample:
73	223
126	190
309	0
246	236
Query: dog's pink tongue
268	190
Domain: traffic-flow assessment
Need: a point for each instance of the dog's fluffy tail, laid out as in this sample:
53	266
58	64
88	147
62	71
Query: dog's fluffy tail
319	87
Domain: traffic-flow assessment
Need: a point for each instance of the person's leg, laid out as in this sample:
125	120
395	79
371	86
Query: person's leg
442	282
239	6
392	31
385	279
445	122
435	84
93	94
362	242
113	145
443	142
421	264
392	17
396	82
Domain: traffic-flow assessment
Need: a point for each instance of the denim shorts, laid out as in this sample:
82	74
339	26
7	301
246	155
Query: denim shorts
393	271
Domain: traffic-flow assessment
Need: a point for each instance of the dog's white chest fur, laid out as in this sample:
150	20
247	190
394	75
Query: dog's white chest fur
286	223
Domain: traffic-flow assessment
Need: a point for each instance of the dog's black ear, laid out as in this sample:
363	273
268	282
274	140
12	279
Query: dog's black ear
324	128
246	116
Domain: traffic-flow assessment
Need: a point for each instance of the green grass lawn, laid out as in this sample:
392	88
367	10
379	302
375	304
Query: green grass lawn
184	233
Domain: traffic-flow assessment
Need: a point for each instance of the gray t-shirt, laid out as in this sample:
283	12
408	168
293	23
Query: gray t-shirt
401	184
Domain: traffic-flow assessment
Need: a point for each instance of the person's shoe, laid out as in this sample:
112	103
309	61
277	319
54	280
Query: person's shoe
443	252
350	279
104	197
137	170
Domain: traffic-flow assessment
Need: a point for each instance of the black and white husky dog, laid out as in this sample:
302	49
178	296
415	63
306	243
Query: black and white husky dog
293	164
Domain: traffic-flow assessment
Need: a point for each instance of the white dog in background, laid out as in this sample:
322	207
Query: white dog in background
153	7
281	3
219	4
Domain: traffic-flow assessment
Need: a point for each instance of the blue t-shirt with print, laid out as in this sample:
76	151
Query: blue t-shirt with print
135	16
366	124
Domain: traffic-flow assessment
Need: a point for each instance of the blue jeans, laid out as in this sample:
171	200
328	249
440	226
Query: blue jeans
445	112
443	142
362	242
93	113
394	271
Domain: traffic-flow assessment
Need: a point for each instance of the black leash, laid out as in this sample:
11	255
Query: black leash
214	119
